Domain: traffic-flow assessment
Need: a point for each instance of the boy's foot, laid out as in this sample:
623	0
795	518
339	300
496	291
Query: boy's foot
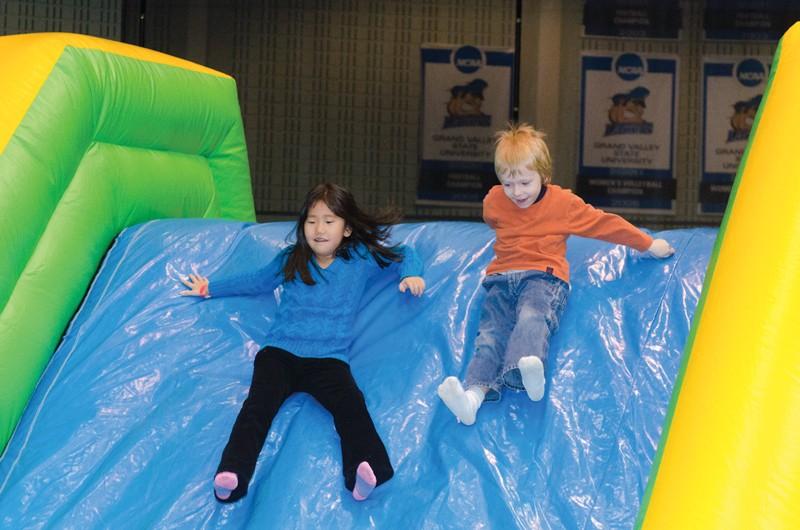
462	404
365	482
532	371
224	484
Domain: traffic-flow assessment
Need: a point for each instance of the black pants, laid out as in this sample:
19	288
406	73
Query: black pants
277	374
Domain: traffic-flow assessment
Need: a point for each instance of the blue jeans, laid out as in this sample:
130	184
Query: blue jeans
521	311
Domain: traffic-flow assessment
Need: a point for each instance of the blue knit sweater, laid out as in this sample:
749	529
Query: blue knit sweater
317	320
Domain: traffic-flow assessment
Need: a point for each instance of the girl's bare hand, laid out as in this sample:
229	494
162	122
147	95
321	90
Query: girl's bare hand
198	285
415	284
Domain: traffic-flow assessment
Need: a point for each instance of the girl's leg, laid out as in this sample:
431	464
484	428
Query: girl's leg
271	385
365	481
331	383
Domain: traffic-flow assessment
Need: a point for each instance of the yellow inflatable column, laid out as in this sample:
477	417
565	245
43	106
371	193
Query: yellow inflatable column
730	458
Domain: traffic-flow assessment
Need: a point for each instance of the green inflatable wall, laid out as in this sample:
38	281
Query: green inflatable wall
96	136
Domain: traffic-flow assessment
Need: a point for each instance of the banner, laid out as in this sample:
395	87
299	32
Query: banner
648	19
764	20
466	93
627	134
732	91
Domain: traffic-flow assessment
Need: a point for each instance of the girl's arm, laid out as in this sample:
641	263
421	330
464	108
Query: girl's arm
410	271
262	280
415	284
198	285
409	268
411	264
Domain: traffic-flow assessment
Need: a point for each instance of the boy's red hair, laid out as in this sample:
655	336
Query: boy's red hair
520	145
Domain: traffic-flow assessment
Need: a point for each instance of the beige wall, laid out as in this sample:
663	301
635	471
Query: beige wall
101	18
330	89
556	41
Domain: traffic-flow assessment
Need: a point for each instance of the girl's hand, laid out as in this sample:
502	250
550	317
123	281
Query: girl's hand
415	284
197	284
661	249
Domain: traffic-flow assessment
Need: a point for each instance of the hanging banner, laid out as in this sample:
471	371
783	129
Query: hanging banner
648	19
466	98
764	20
627	138
732	91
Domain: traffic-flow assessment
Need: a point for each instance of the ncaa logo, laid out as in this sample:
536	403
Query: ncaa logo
750	72
468	59
629	66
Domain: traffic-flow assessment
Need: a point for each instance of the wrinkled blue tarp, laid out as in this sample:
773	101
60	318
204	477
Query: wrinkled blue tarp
126	426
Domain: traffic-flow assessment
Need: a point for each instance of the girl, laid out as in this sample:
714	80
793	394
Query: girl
338	249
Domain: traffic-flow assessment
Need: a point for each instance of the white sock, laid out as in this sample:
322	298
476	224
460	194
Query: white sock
532	371
463	404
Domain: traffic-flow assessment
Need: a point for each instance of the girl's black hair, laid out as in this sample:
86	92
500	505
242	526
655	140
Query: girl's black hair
368	230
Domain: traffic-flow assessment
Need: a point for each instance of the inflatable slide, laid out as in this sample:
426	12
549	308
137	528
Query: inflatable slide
127	425
96	136
123	407
730	455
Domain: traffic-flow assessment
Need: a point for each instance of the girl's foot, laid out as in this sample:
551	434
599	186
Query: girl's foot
463	404
532	371
224	484
365	482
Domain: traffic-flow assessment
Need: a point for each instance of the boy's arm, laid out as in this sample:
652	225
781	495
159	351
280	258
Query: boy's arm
661	248
587	221
489	216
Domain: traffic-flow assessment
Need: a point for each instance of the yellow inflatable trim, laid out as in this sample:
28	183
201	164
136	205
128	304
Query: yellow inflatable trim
730	456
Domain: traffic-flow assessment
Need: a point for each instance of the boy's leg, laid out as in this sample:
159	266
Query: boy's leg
531	370
271	385
331	383
483	371
464	404
539	307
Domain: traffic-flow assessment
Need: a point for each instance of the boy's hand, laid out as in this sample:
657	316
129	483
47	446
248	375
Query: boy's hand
197	284
661	249
415	284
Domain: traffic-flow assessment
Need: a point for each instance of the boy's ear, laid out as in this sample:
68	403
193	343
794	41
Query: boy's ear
347	231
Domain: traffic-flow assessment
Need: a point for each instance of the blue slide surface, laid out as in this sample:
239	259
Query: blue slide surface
126	427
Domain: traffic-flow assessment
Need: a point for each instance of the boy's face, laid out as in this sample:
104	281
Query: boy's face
521	185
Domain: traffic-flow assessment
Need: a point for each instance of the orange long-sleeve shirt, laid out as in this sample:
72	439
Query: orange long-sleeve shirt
535	238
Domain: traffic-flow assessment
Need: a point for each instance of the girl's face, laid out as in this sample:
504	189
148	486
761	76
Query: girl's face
521	185
324	231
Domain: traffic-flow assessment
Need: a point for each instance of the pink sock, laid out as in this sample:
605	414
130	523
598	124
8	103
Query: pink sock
224	484
365	482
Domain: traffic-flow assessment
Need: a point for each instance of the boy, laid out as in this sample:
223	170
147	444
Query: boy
528	281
